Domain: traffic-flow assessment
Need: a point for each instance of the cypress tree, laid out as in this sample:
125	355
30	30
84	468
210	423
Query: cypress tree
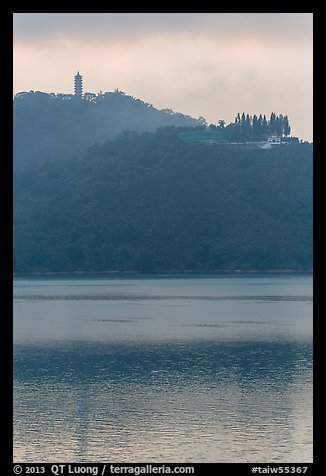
248	127
286	126
272	123
264	126
255	127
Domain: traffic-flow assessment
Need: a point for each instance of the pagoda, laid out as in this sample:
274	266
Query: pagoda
78	85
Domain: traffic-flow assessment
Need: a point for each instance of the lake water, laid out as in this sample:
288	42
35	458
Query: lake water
163	369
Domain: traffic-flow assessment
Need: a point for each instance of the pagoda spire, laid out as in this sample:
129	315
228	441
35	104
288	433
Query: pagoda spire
78	85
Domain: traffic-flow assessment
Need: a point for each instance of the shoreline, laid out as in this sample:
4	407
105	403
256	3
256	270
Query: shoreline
164	273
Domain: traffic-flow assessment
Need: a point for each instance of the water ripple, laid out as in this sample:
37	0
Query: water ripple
145	297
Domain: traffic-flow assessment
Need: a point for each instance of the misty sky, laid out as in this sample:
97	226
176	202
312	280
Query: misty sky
202	64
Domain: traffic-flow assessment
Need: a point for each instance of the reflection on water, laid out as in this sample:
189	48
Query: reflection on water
171	380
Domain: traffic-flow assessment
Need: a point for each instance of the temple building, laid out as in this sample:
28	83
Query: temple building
78	85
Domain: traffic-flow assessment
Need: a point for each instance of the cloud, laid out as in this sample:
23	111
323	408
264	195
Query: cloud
124	26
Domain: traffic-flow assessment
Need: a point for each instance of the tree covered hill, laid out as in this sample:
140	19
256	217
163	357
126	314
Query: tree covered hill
55	126
153	202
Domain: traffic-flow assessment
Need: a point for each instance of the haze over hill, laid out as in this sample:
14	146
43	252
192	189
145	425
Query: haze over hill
56	126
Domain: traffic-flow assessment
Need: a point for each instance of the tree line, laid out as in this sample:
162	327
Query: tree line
255	128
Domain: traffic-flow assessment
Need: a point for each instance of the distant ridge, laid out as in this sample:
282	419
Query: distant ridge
59	126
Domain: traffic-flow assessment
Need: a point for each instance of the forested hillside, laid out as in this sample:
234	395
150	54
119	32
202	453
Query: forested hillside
153	202
55	126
